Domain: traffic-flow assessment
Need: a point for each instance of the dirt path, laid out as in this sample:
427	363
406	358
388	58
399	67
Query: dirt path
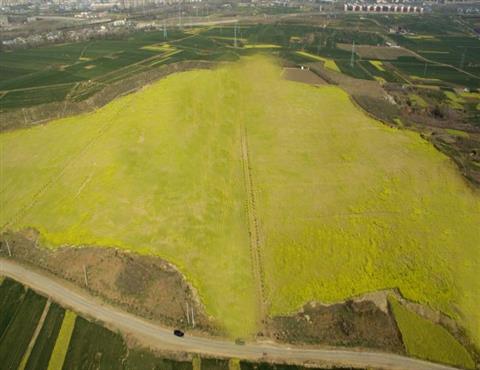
39	327
253	228
161	338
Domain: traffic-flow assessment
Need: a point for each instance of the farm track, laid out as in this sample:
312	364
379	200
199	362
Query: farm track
158	337
424	59
98	79
23	211
37	87
253	228
33	340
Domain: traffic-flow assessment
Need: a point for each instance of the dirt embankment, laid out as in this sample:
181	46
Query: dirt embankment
143	285
351	324
377	52
351	85
302	75
26	117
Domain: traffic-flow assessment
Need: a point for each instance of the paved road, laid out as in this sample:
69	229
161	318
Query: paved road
162	338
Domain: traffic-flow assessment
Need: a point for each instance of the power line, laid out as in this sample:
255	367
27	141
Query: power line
8	247
462	61
85	275
352	58
193	319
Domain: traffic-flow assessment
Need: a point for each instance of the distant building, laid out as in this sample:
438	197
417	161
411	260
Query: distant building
119	22
130	4
383	8
13	2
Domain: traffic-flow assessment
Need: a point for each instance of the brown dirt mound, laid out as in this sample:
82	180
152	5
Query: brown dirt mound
353	323
302	75
376	52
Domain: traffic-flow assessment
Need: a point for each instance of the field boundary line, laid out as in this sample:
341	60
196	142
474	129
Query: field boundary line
425	59
38	87
35	335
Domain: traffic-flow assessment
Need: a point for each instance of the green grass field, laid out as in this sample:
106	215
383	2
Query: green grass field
94	347
11	296
426	340
345	205
141	359
75	71
16	338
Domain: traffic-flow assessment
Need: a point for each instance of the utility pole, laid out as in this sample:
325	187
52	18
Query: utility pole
164	31
352	58
85	275
462	61
193	319
188	315
180	14
425	70
8	248
235	35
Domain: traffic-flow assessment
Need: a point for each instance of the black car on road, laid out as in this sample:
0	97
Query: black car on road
178	333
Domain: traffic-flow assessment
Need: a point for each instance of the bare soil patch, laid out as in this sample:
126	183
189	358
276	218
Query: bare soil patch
353	323
143	285
302	75
377	52
351	85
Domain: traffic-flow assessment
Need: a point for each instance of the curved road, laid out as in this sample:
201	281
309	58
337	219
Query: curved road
69	295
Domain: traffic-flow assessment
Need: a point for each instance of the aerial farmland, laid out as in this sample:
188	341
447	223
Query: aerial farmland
286	181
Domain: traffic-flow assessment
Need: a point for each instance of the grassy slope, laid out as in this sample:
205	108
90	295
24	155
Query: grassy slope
345	204
426	340
166	179
348	205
